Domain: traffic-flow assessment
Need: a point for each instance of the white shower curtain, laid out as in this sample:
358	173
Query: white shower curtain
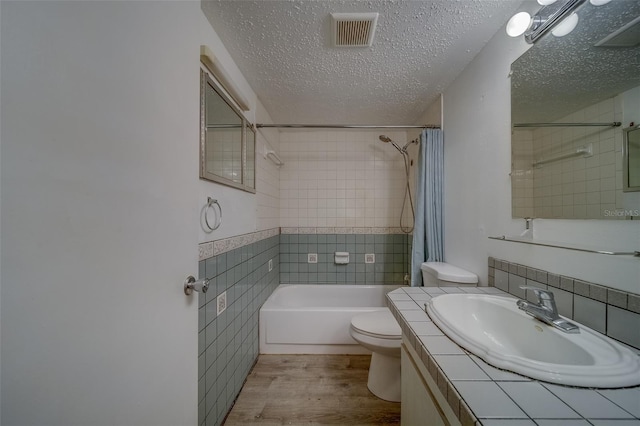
427	232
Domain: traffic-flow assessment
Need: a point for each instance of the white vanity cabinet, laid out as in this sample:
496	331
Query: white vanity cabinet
422	401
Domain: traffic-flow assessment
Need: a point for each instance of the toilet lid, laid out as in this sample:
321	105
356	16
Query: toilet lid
377	323
447	272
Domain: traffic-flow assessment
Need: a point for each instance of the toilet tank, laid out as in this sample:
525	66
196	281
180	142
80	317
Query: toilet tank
441	274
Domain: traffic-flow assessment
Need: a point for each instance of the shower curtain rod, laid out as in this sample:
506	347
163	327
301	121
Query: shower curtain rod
610	124
345	126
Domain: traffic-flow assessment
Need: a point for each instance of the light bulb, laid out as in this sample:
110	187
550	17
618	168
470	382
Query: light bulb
599	2
546	2
518	24
566	26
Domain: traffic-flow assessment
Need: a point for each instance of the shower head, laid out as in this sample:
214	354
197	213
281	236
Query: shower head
387	139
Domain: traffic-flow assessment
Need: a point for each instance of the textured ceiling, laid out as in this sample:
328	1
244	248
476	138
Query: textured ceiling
284	50
558	76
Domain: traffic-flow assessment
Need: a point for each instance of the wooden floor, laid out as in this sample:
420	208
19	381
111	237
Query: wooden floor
311	389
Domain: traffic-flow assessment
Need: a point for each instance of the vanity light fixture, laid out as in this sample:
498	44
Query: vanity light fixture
566	26
518	24
557	16
554	13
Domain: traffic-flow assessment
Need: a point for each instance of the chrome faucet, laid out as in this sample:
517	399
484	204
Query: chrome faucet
545	310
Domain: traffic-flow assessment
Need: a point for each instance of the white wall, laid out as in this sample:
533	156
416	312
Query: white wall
478	188
100	207
432	115
244	212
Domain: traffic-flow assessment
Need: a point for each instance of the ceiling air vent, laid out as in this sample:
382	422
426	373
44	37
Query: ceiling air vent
626	36
353	29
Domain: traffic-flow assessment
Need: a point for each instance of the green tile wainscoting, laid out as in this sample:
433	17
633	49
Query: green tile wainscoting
228	343
392	258
612	312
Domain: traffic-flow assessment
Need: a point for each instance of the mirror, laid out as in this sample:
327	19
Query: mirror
586	77
227	139
631	159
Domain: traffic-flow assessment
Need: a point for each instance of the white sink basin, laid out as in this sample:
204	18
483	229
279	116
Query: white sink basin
493	328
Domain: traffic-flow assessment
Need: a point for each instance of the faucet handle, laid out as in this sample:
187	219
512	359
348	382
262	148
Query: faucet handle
540	293
545	298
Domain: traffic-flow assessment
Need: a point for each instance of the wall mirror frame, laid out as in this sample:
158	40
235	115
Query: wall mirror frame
227	139
585	78
631	159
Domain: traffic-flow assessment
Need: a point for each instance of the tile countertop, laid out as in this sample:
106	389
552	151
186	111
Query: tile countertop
480	394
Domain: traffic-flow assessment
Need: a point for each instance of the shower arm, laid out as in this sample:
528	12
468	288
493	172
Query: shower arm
414	141
402	150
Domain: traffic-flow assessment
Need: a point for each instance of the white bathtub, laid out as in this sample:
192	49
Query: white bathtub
315	318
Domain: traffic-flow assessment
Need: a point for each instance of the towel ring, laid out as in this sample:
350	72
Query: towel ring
210	203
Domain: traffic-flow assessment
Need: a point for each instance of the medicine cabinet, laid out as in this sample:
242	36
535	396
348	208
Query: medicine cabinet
227	139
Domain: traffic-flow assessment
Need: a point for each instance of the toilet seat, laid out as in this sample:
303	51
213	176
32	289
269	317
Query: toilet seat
378	324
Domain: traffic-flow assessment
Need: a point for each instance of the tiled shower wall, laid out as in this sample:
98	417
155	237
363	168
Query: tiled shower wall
341	179
580	187
267	180
228	343
226	156
391	258
577	187
608	311
343	190
522	173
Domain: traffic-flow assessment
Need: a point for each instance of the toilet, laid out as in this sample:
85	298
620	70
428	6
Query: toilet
441	274
379	332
